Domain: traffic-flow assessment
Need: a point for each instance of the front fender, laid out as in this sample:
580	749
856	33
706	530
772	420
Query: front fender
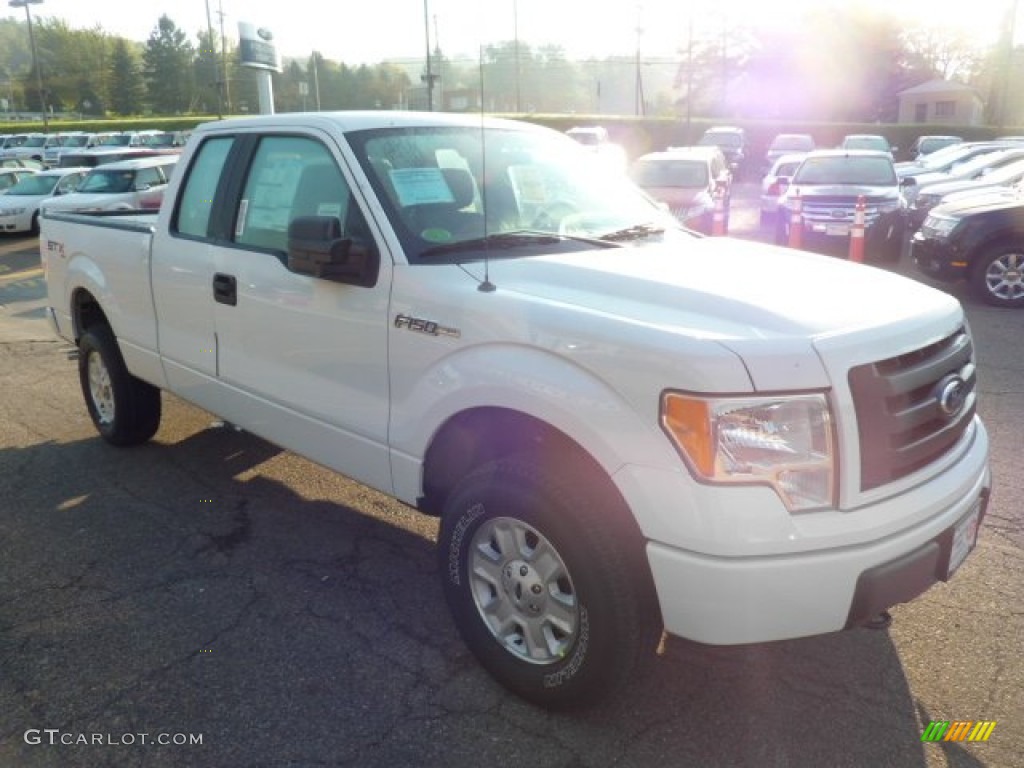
531	381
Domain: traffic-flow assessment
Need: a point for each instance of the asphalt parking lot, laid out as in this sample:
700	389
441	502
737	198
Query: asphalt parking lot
209	600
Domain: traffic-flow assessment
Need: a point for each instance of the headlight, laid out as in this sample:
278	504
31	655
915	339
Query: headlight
784	441
939	226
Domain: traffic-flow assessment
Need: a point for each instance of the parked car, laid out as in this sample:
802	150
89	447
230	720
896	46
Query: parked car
596	139
733	143
786	144
66	142
946	159
1002	167
687	180
873	141
979	239
11	176
774	184
125	185
826	187
94	156
27	146
925	145
19	206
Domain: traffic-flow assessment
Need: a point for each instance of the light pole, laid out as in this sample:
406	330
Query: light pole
35	55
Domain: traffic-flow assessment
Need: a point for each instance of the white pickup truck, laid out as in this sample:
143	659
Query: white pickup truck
626	429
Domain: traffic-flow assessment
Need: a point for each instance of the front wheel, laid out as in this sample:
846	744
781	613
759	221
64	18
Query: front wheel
546	582
125	410
998	276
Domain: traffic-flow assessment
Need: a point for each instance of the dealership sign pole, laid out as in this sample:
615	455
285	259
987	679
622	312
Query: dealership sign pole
256	50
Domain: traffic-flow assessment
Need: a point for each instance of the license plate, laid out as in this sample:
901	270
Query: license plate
837	230
965	536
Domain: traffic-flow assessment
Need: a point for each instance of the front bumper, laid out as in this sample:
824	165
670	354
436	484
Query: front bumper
730	599
937	259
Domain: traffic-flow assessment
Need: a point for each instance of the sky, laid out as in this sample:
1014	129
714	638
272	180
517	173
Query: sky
378	30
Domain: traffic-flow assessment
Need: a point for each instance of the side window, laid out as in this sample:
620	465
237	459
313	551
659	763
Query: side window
196	199
290	176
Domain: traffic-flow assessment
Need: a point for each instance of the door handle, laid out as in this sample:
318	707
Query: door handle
225	289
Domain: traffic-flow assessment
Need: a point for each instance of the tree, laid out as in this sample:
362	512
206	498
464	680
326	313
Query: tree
127	89
168	68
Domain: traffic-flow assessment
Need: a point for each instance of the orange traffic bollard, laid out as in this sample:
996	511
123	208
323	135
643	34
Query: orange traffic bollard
718	217
857	232
796	223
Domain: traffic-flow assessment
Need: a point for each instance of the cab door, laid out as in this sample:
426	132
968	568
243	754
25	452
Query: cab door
302	359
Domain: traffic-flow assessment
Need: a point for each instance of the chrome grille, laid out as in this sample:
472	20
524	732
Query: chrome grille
913	408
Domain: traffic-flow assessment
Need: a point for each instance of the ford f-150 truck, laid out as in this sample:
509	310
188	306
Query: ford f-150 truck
627	430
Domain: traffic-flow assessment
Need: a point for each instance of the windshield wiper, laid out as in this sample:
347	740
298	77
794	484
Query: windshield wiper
519	238
635	232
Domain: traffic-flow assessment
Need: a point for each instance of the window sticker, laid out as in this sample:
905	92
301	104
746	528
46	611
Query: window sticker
417	186
528	183
243	209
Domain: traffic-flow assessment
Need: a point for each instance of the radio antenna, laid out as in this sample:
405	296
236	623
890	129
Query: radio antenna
486	286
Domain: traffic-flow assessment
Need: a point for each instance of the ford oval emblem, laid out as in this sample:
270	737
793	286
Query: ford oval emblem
265	34
951	394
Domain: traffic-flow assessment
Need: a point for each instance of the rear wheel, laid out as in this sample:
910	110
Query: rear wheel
125	410
546	583
998	276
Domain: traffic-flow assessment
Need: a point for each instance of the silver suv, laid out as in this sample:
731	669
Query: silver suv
828	184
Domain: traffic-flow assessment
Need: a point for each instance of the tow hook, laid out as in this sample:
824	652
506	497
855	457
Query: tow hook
879	621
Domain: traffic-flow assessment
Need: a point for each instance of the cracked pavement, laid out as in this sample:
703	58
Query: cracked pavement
209	583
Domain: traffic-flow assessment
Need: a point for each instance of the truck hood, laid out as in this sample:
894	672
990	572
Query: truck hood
725	289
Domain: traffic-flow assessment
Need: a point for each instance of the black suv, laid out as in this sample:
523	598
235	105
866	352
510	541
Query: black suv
979	239
828	183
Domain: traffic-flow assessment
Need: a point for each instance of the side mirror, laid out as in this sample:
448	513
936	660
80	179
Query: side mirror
316	248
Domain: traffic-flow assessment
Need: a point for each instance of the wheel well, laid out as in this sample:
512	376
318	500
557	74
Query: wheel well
1001	240
480	435
85	312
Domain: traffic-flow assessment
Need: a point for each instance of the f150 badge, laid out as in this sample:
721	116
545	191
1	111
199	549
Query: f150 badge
429	327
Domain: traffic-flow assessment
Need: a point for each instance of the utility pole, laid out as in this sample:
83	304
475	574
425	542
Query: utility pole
213	57
428	77
224	56
639	75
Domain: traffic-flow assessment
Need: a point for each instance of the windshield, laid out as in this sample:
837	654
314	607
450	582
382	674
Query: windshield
34	185
844	169
730	140
650	174
866	142
76	141
796	142
34	141
446	185
108	182
114	141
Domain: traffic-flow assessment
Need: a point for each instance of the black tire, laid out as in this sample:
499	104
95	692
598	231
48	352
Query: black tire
34	227
556	563
997	277
125	410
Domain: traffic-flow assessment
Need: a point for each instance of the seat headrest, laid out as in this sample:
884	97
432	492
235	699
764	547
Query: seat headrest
460	182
